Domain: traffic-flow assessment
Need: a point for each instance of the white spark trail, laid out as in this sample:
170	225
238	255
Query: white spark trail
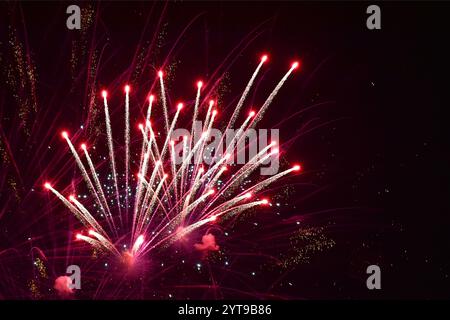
244	94
144	140
87	215
228	204
105	242
272	95
164	100
98	185
244	170
147	145
127	143
70	206
174	169
192	190
194	118
93	242
186	148
206	131
148	208
240	208
169	132
261	185
111	153
139	241
85	174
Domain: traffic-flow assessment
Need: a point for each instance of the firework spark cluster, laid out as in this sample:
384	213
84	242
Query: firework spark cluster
166	199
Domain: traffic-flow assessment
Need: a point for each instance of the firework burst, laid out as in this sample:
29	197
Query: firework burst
174	192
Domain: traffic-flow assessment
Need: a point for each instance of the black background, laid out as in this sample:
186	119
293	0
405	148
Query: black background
384	156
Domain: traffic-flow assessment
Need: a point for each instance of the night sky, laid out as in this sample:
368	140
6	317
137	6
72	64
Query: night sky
371	137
